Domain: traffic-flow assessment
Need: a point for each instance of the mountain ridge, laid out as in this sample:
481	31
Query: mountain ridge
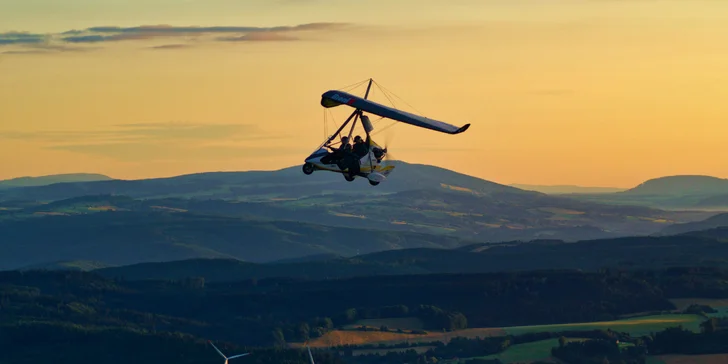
33	181
681	185
566	189
698	249
237	185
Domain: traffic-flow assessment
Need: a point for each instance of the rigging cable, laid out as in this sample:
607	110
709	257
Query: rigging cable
353	85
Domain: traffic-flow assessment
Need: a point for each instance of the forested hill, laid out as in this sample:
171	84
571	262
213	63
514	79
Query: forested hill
695	249
52	179
44	312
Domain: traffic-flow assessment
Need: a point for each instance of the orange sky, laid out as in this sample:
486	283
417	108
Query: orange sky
590	92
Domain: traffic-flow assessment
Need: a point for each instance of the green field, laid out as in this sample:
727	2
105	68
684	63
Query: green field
635	326
522	353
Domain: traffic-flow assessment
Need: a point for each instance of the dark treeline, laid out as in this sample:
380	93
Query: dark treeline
599	352
274	312
67	343
712	340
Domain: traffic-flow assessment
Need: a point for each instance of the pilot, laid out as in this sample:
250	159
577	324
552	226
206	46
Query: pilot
360	148
337	153
345	146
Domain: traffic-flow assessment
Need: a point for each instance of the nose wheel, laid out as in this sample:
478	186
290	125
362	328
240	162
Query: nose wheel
307	168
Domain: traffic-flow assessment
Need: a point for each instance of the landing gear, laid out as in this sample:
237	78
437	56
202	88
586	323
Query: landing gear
349	177
307	168
373	183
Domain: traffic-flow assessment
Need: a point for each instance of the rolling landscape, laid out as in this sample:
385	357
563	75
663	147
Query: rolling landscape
377	266
537	182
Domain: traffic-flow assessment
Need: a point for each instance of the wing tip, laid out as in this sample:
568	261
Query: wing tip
462	129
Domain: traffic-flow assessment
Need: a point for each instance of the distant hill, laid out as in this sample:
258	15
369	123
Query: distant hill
255	185
51	179
681	186
81	265
309	258
228	270
713	222
672	192
128	237
719	233
707	249
264	216
465	214
566	189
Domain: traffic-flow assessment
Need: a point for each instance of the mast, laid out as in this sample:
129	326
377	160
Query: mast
358	111
369	86
354	115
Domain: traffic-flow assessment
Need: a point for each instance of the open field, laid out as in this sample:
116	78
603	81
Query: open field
689	359
343	337
528	352
636	326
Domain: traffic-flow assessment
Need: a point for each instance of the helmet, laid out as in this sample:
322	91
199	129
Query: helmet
357	138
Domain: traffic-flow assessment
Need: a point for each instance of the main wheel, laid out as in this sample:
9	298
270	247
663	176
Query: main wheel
348	176
373	183
307	168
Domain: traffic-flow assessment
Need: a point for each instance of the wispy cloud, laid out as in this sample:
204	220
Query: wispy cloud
259	37
106	34
45	48
170	46
21	38
157	141
146	152
142	132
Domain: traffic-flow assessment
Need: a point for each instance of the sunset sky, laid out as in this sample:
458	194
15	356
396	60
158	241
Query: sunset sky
589	92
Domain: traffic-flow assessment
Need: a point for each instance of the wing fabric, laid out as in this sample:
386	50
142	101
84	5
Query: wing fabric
335	98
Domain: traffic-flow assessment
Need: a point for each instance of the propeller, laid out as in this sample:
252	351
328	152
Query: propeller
387	143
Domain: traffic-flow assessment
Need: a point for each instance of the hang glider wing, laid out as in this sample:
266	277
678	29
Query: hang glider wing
335	98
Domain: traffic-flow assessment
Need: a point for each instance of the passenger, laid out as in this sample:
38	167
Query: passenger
361	149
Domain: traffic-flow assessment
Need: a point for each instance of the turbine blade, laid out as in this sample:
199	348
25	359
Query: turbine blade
237	356
218	350
310	356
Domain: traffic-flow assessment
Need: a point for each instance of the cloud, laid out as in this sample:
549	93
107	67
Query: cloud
142	132
146	152
259	37
32	43
170	46
48	49
10	38
112	34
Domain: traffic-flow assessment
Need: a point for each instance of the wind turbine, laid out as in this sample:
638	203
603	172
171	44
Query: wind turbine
223	355
309	353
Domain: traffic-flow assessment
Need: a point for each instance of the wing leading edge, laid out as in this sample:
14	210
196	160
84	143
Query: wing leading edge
335	98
